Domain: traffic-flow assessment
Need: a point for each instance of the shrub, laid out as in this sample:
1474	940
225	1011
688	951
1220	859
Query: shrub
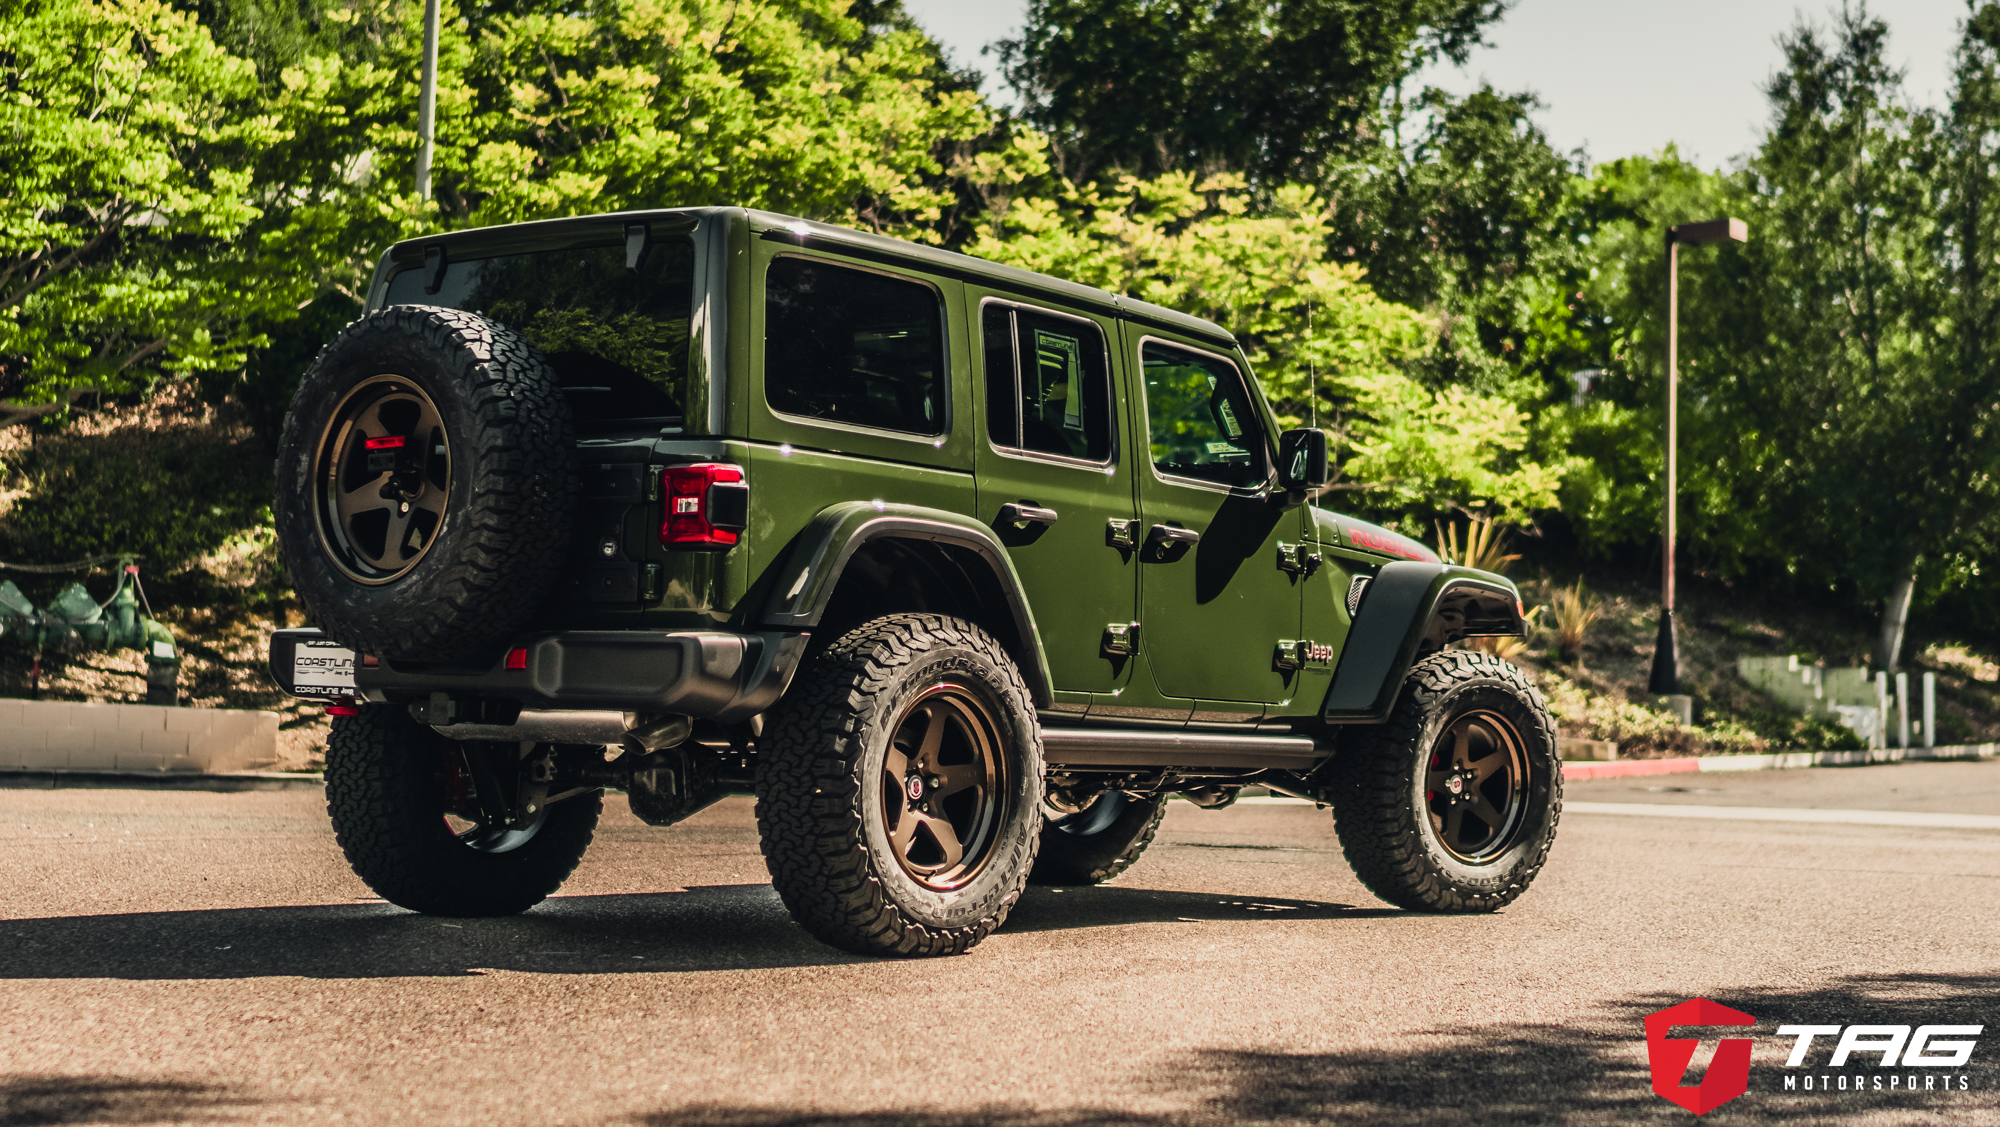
170	495
1641	732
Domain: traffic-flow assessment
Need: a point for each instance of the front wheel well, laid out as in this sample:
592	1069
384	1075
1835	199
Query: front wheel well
1470	610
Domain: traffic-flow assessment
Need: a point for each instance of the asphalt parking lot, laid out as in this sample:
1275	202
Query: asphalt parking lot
192	957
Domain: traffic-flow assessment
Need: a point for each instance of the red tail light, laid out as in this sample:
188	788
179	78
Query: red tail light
708	505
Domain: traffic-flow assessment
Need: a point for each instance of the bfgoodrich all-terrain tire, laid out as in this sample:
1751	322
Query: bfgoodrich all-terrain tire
425	485
1098	842
388	788
1452	804
899	788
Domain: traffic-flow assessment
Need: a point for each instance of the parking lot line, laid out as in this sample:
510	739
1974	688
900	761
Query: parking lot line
1783	814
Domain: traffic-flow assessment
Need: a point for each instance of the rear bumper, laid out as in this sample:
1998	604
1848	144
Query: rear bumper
713	675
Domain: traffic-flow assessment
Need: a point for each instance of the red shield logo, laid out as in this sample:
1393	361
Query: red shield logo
1728	1075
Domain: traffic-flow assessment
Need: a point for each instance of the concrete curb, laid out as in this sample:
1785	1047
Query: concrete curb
139	780
1775	761
82	737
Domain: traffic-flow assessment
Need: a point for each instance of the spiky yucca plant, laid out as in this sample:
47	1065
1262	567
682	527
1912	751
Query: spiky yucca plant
1482	543
1575	610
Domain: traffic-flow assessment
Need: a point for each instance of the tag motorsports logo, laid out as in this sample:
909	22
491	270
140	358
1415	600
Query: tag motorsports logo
1926	1047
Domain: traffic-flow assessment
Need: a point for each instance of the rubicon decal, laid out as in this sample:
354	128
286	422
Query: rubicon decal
1817	1058
1727	1076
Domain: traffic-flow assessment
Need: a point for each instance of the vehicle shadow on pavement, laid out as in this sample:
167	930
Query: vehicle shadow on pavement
35	1100
1060	909
703	928
1586	1071
720	927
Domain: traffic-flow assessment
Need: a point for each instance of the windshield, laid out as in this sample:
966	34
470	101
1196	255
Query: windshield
617	338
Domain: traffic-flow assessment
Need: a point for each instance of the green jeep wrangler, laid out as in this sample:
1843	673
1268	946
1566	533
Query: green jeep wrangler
960	569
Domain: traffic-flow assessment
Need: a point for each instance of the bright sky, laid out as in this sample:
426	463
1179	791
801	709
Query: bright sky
1616	76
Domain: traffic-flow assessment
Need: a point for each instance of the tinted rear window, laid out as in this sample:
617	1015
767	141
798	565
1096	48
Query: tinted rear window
618	339
853	346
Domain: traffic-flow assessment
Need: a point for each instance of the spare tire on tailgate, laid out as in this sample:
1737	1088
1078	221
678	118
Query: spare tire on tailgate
425	485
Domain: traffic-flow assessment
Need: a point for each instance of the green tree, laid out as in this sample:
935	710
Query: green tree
1841	395
1836	406
127	139
1472	216
1599	339
1454	205
1275	89
548	109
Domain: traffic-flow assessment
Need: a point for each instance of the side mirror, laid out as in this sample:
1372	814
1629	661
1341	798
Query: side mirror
1303	459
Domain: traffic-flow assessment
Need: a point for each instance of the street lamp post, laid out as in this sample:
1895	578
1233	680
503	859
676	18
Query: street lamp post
1666	678
427	100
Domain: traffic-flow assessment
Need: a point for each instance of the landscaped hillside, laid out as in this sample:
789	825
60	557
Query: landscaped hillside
186	489
1603	696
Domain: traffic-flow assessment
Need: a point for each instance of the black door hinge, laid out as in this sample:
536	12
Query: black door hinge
1121	639
1298	559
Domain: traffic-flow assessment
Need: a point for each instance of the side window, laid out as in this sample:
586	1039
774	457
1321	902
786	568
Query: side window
1048	386
1200	417
853	346
1003	417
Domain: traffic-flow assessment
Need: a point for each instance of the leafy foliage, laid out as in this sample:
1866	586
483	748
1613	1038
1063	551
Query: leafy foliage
1575	610
1480	542
1474	218
127	138
1278	91
169	495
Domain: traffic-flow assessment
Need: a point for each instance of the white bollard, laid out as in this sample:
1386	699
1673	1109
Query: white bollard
1903	711
1881	709
1930	710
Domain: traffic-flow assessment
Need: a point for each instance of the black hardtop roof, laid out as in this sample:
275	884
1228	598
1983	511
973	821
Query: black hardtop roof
545	234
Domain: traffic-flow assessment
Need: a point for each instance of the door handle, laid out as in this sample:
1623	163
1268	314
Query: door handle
1024	515
1164	536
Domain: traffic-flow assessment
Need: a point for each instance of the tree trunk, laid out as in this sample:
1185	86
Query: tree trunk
1895	615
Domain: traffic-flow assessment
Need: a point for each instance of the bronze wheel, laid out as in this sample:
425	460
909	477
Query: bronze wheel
899	787
426	486
1451	804
1476	786
385	473
944	786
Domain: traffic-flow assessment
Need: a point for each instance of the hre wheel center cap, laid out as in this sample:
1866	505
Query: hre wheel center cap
1455	784
914	787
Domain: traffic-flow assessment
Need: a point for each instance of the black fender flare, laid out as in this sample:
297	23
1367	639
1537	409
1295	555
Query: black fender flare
1408	610
810	570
